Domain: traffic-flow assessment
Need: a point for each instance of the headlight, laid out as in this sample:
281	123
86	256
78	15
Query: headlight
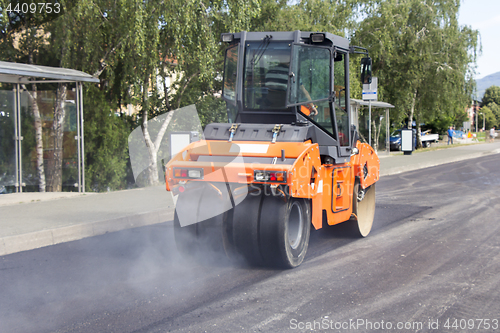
194	173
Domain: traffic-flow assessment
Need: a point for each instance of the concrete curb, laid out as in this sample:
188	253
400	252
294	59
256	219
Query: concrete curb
42	238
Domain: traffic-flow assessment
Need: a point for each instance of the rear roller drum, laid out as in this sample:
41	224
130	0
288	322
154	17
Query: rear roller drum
272	231
245	230
285	230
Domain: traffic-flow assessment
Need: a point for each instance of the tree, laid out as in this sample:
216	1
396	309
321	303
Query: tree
490	106
491	95
491	112
490	119
65	40
135	42
105	143
422	57
336	17
190	34
18	27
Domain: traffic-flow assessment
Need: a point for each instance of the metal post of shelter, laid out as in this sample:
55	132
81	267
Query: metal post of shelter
16	136
387	129
19	137
77	137
82	141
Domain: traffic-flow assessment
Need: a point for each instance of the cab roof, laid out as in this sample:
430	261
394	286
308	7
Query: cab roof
296	36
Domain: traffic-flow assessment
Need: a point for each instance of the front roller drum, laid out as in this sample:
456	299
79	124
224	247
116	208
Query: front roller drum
363	210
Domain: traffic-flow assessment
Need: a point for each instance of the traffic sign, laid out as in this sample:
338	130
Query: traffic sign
370	90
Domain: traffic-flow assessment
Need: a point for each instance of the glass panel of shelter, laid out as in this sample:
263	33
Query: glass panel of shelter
64	172
7	141
60	150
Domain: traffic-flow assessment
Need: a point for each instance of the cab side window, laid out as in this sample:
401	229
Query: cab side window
310	74
341	109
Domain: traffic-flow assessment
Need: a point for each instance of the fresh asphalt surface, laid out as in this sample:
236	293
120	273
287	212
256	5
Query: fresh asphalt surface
432	259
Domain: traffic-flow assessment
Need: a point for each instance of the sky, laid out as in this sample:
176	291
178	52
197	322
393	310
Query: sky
484	15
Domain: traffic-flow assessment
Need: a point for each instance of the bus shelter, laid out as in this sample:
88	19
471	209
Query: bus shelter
364	122
41	128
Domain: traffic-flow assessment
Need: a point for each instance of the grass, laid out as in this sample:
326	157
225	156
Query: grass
443	145
446	146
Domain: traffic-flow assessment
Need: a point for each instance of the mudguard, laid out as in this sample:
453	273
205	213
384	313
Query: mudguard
366	165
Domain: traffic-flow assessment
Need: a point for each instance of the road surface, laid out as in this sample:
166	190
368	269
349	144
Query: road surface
431	264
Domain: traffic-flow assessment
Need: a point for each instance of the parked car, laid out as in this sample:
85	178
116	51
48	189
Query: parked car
426	138
395	139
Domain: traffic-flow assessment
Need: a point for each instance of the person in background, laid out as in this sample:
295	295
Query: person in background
450	135
492	134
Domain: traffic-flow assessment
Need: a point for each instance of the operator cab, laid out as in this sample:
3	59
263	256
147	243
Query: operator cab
297	78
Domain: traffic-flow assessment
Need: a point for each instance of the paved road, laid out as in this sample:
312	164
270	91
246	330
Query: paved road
433	257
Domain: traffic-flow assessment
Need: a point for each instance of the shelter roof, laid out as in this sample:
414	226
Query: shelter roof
375	104
12	72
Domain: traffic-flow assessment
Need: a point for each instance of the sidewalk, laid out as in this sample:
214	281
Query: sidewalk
399	163
33	220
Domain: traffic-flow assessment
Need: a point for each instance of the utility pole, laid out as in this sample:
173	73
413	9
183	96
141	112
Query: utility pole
475	112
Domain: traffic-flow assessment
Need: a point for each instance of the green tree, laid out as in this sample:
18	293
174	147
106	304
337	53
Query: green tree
190	35
491	95
495	108
336	17
105	143
490	106
65	40
422	57
489	112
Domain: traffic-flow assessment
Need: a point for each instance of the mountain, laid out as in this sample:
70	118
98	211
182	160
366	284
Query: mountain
486	82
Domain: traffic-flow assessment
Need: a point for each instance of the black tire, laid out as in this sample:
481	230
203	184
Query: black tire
363	212
265	230
284	231
245	230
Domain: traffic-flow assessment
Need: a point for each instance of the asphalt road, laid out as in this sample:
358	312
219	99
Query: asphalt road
431	264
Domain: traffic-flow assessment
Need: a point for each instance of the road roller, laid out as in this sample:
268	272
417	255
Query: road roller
288	160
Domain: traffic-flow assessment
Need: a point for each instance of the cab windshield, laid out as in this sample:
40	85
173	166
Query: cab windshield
265	79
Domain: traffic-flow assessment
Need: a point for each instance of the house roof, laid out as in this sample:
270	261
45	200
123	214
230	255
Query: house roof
12	72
